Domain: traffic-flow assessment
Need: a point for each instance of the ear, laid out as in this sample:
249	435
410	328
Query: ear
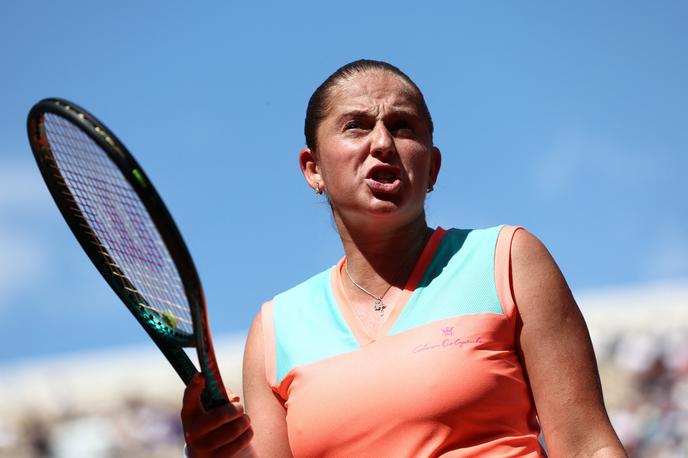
435	165
310	168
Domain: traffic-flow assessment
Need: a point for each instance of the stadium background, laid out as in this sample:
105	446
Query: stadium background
566	118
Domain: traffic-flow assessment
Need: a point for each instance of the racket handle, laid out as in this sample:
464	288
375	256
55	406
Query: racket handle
179	360
211	401
211	396
214	394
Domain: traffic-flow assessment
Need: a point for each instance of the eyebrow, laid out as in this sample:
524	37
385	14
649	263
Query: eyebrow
355	114
369	113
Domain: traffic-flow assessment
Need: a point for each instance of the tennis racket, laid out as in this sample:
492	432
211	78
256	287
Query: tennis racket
123	225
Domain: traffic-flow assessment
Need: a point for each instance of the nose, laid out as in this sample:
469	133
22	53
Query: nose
382	143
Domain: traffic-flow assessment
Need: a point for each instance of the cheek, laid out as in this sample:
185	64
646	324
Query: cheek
336	173
341	165
418	167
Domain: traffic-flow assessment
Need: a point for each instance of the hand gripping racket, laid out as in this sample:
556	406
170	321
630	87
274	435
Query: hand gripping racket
123	225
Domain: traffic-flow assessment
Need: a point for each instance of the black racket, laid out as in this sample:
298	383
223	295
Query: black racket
123	225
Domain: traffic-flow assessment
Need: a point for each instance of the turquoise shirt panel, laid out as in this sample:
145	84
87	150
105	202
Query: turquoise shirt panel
308	325
458	281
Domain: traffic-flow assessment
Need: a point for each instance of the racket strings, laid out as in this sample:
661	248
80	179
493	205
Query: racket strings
126	246
71	139
125	243
115	270
119	222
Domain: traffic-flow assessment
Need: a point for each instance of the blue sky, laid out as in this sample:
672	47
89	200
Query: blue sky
565	117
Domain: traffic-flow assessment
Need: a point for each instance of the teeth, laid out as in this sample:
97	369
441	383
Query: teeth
384	176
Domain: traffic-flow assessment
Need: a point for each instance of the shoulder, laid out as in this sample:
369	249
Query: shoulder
463	232
482	233
533	267
493	242
512	259
488	247
539	287
527	249
521	248
460	239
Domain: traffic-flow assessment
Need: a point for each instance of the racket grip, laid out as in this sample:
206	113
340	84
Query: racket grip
211	401
214	393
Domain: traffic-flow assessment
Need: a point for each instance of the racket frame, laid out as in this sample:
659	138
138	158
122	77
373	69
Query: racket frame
169	340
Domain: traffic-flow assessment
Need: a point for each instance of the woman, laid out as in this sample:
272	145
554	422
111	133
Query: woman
419	342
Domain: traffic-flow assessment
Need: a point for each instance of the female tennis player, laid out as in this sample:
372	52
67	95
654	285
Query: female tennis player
420	341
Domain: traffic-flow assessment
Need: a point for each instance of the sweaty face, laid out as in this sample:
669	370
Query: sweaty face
375	150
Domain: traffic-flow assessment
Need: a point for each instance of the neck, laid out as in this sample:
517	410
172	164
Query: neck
378	255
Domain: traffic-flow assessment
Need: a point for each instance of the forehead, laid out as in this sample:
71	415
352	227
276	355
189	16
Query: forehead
372	91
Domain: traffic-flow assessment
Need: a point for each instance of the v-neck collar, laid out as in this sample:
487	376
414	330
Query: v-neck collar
400	298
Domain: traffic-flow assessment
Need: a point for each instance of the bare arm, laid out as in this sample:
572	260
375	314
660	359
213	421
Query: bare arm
268	416
558	357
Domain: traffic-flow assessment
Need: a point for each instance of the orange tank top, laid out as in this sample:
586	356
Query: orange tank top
442	378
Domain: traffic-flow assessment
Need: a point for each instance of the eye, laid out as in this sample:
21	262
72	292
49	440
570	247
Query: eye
353	124
402	126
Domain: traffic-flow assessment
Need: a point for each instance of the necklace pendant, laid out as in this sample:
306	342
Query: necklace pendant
379	306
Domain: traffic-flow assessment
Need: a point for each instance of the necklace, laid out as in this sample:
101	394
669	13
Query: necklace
378	305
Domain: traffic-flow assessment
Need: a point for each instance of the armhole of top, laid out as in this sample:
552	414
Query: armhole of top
503	278
266	316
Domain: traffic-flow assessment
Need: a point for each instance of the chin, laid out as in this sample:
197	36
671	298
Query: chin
386	203
393	212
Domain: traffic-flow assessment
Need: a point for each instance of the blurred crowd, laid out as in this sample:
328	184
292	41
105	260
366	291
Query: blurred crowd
645	381
136	429
644	376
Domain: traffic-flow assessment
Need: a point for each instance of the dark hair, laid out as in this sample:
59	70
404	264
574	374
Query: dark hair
318	103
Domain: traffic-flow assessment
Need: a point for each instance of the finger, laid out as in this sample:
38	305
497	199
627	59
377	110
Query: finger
224	435
231	449
191	403
199	427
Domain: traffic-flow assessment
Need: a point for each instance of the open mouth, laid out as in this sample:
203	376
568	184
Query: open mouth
384	176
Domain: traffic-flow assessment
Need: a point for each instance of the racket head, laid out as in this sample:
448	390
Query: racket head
120	221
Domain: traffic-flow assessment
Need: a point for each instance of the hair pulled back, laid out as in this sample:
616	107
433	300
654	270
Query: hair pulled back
318	105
